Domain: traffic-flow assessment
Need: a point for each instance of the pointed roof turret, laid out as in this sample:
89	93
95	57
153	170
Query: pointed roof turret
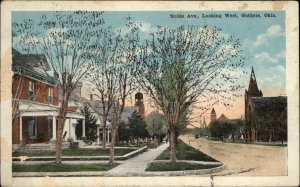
213	111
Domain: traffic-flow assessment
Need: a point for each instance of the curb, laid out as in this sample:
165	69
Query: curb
126	174
76	158
193	161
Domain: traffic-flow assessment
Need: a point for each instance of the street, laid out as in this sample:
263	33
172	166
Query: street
243	159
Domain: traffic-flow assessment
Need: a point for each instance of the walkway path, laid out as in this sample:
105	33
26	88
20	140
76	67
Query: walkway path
139	163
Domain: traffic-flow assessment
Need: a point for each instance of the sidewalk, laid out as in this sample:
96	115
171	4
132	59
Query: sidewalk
139	163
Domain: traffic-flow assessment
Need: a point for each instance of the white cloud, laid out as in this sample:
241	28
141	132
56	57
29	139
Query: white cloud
278	69
146	27
272	32
265	57
143	27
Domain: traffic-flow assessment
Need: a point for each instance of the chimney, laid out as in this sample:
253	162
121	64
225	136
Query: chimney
91	97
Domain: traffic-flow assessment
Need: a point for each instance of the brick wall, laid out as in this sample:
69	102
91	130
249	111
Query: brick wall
20	86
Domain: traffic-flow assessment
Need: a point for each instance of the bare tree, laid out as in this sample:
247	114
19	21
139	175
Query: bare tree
187	66
67	39
102	77
112	77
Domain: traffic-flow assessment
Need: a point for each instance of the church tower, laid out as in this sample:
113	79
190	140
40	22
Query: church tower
139	104
213	116
252	91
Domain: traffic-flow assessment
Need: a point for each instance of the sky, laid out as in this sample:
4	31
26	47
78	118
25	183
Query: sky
262	39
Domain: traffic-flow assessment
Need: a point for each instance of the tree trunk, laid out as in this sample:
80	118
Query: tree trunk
58	140
270	137
112	145
61	118
59	131
173	147
104	134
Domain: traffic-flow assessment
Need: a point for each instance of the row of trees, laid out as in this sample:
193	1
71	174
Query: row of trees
234	130
133	131
178	68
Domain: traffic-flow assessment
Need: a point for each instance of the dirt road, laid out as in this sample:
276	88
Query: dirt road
243	159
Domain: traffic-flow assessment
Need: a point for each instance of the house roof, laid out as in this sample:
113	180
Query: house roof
271	105
223	119
32	65
96	106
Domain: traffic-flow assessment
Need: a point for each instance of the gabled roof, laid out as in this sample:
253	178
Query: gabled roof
32	65
271	105
96	106
223	119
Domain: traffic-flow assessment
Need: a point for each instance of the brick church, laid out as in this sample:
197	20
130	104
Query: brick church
273	109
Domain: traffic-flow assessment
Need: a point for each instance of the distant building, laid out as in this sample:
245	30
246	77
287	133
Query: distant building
213	116
273	109
222	119
139	104
203	123
252	91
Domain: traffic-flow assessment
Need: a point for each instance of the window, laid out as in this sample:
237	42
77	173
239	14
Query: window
31	91
50	96
32	128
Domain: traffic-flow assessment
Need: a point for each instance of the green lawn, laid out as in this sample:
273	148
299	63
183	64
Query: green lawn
185	152
75	152
179	166
51	167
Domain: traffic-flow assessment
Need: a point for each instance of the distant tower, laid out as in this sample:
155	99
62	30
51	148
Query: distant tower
213	115
204	122
139	104
252	91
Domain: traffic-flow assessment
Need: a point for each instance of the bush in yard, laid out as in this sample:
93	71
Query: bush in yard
90	126
137	127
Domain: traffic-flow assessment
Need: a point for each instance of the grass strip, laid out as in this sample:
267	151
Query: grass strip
51	167
74	152
185	152
178	166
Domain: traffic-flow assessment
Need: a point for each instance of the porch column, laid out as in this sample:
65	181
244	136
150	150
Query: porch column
69	127
83	127
74	131
98	137
21	130
53	128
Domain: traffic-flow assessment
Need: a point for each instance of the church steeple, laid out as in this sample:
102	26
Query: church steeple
252	77
253	90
